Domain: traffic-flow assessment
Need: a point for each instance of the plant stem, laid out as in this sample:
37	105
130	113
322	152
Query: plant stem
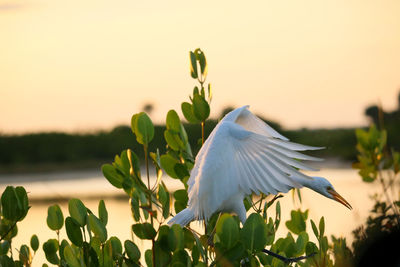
388	198
8	231
146	159
102	252
202	133
206	246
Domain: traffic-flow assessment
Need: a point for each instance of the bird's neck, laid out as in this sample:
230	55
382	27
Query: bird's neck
315	184
309	183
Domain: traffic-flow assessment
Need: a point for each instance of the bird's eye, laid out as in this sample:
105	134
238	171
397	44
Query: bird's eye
329	188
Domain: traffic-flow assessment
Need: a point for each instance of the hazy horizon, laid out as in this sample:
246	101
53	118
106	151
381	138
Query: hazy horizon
83	66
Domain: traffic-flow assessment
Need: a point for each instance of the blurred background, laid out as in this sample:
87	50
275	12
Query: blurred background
72	73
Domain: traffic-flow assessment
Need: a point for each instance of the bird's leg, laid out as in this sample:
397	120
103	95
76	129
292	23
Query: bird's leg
287	260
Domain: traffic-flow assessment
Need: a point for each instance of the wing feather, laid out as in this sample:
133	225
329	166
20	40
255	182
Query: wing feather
264	165
292	153
288	160
292	146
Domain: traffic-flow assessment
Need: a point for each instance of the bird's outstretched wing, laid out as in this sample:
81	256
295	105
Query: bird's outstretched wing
243	155
265	164
265	160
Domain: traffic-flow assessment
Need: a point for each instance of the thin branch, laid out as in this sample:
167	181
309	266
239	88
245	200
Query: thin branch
287	260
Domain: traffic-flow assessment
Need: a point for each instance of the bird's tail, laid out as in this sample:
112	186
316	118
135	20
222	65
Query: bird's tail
183	218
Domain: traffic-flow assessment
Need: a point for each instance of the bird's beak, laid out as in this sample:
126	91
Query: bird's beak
339	198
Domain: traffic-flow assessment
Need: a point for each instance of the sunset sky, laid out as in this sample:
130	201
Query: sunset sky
86	65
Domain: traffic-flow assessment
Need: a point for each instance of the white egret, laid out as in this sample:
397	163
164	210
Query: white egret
244	155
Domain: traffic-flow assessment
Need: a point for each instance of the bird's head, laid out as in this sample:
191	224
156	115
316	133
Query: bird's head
324	187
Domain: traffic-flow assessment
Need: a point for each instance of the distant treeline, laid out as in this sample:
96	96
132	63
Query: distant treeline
90	150
43	151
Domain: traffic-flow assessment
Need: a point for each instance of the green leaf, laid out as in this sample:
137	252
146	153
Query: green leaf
144	230
163	197
148	257
70	257
134	121
233	255
368	174
189	241
181	199
163	237
5	226
96	245
34	242
124	162
55	218
173	121
227	230
181	195
314	228
134	203
73	231
193	65
4	247
297	222
201	109
195	255
270	231
134	163
185	140
179	206
168	163
181	258
162	257
25	255
50	247
14	203
301	243
23	202
132	250
287	245
181	170
116	247
324	244
97	227
173	140
311	248
253	234
6	261
112	175
321	226
78	211
107	258
103	214
203	62
63	244
175	238
187	111
143	128
277	215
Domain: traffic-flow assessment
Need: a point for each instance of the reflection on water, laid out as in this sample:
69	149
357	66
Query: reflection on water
48	189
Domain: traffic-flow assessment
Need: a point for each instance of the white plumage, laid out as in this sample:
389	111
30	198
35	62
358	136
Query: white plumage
244	155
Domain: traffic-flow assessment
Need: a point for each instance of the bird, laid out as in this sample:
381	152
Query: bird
241	156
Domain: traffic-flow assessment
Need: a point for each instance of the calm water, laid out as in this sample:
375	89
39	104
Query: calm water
91	186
